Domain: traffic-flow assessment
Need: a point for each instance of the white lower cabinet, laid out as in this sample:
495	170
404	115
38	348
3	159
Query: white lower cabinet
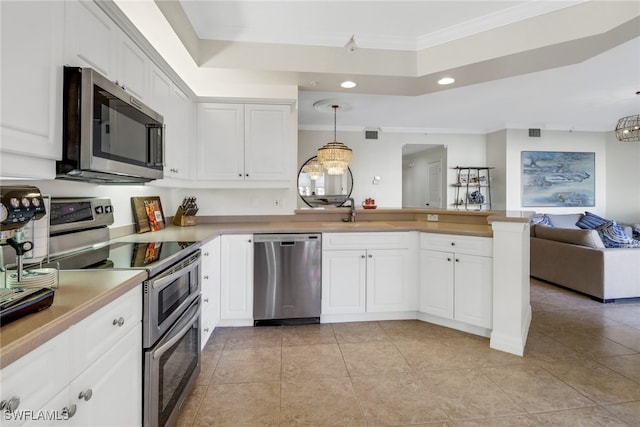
57	383
236	280
457	283
210	275
368	273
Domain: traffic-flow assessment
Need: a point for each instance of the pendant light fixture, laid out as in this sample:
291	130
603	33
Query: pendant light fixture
335	156
628	129
314	169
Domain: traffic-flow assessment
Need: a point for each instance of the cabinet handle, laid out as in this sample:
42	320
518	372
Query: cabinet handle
205	277
249	240
118	322
370	256
206	300
240	175
453	243
457	260
86	394
10	405
362	256
448	259
206	254
69	411
206	329
246	174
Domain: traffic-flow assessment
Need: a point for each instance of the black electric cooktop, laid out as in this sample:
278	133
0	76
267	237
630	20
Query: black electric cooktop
151	256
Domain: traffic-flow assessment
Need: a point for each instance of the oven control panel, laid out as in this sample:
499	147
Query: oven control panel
79	213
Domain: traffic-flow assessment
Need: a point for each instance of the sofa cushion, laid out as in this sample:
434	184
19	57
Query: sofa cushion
540	218
565	220
588	238
591	220
613	236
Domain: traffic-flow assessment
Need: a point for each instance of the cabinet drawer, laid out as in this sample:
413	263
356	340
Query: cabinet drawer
378	240
96	334
471	245
36	377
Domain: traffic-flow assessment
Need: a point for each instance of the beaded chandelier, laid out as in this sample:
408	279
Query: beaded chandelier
335	156
628	129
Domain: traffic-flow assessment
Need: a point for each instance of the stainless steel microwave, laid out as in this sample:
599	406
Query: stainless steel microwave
109	136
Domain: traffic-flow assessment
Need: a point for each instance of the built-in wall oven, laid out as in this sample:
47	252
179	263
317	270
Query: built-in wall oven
171	298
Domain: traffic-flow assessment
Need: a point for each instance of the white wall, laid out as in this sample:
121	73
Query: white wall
518	140
623	180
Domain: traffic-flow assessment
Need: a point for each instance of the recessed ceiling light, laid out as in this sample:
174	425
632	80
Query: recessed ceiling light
348	84
446	81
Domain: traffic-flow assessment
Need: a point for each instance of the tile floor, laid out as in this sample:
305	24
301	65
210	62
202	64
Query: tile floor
581	368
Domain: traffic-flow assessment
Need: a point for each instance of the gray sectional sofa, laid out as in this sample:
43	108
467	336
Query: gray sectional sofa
576	258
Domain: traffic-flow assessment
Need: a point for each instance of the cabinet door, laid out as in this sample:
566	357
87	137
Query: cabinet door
474	290
436	283
387	280
344	281
268	143
36	378
31	37
111	387
236	278
220	138
210	288
89	38
133	67
179	141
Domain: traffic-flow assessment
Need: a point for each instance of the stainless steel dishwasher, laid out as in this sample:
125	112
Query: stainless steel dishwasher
287	278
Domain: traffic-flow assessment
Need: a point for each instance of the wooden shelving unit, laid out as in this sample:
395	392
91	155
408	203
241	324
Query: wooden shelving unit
473	187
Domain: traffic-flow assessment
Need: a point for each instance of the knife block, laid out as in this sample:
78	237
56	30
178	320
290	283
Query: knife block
180	219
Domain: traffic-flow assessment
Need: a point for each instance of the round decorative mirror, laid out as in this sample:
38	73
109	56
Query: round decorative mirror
318	189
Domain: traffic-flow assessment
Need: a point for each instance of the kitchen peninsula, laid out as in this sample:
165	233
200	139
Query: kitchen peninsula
505	247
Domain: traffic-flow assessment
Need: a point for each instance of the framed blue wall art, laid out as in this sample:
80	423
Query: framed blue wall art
558	179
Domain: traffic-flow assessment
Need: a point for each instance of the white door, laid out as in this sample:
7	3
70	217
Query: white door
436	283
220	140
387	282
474	290
433	189
343	281
236	278
267	142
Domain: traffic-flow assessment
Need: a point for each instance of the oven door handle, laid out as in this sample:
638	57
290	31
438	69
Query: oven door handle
184	326
161	282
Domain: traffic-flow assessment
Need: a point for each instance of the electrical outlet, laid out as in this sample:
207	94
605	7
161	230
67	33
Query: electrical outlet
432	217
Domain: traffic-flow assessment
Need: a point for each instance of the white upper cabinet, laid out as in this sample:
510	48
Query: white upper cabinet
90	36
244	145
31	86
93	40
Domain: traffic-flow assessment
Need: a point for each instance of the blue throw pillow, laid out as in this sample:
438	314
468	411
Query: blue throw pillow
540	219
613	236
590	221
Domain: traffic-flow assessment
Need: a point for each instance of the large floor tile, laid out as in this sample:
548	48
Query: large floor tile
373	358
398	399
589	343
251	364
628	366
245	337
190	407
308	334
584	417
599	383
321	402
627	336
627	412
469	394
535	389
359	332
312	361
506	421
246	404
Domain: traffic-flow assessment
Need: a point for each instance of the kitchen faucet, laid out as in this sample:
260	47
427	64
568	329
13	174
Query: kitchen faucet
352	211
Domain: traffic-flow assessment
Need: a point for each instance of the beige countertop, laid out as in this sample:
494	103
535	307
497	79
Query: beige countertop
79	294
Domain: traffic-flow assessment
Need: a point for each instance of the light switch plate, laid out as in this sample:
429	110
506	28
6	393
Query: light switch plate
432	217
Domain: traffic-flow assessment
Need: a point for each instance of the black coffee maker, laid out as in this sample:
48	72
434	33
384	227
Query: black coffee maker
18	206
